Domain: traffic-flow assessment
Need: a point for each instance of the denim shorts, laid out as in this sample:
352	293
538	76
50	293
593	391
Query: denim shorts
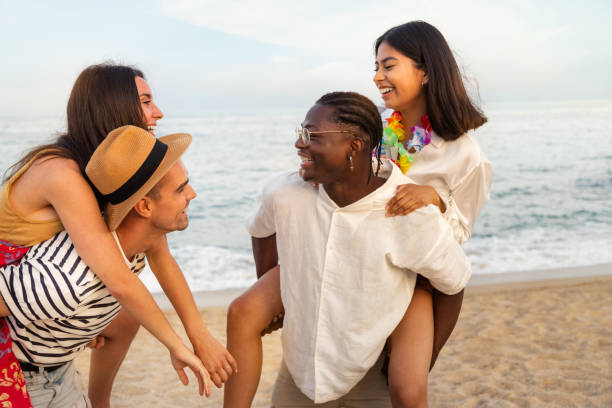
61	387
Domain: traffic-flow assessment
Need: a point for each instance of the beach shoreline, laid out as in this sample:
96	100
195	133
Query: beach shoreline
478	283
541	341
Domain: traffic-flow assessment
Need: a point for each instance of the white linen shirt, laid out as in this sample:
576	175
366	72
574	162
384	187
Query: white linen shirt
461	175
348	274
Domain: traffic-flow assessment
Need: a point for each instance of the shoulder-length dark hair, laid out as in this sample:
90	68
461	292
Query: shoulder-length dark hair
450	110
104	97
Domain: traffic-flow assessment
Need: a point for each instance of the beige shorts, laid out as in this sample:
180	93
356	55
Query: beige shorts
371	392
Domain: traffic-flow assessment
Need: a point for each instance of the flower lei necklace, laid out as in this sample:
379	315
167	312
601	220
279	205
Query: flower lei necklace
392	146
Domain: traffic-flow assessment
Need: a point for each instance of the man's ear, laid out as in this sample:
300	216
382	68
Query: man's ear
144	207
357	145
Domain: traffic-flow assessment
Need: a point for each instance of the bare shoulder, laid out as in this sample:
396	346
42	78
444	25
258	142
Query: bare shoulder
55	166
47	179
55	172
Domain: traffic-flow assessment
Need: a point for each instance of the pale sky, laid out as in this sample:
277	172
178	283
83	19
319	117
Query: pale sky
202	55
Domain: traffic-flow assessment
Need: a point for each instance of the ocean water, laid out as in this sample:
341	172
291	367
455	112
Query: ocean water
550	200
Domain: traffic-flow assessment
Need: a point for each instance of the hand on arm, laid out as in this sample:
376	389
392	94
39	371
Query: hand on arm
65	189
216	359
410	197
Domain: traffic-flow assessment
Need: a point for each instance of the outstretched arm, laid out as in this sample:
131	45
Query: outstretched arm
219	363
65	189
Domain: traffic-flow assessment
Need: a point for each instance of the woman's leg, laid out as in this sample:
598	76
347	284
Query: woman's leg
248	316
105	362
446	314
411	344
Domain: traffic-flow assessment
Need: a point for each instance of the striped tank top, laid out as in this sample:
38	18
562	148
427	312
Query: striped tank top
58	305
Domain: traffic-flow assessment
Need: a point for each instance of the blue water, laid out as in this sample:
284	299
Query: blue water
550	200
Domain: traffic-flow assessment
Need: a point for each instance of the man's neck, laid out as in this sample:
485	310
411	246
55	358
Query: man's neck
354	187
135	238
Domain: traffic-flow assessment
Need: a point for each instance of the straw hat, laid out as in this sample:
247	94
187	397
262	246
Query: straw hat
128	164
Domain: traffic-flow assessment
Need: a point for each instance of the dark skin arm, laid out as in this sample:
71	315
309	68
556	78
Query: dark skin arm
266	258
265	254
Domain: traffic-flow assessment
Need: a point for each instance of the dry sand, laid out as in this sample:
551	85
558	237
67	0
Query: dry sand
544	344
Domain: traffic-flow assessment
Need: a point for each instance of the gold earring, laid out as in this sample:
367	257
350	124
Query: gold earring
351	162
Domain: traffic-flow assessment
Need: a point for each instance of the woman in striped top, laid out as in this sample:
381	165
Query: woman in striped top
46	191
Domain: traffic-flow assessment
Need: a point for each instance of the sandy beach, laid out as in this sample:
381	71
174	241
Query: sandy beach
532	340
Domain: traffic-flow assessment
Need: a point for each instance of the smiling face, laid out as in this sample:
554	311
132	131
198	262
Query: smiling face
398	79
150	111
171	197
325	158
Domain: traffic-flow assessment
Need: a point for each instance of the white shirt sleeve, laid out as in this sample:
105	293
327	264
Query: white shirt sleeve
434	253
465	201
261	222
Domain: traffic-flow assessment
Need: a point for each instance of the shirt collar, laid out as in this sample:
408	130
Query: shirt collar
436	141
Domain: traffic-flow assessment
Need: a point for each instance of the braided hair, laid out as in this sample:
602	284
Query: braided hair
355	110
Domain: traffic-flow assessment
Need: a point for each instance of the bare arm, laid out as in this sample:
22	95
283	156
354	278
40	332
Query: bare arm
265	254
4	311
64	188
215	357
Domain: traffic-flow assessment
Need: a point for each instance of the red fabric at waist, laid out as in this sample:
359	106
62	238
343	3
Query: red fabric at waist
11	253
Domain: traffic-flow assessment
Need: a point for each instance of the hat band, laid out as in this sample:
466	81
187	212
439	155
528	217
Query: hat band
141	176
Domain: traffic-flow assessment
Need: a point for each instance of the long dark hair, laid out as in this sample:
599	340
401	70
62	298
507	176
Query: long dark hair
450	110
104	97
353	109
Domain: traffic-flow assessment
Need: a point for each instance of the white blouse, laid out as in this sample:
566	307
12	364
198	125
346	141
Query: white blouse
461	175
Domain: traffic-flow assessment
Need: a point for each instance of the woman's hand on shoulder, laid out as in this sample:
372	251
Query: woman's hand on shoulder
410	197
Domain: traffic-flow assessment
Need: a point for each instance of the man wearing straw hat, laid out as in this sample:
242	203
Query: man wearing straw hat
57	304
